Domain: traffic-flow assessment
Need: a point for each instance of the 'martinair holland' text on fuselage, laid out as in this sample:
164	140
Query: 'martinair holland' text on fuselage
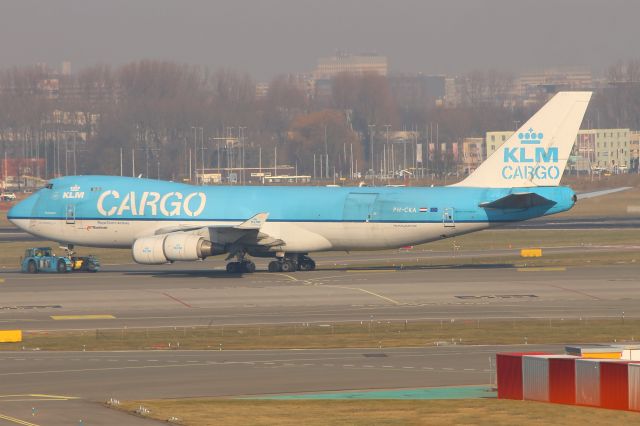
529	161
112	203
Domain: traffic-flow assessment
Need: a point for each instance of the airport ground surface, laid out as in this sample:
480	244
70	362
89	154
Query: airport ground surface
65	387
50	381
172	295
137	296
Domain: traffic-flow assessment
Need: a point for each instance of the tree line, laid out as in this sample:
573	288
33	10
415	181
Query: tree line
166	115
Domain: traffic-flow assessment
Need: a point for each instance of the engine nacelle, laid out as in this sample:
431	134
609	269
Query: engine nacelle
161	249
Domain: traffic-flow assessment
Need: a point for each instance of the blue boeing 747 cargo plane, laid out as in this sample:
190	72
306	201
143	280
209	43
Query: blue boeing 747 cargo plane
165	221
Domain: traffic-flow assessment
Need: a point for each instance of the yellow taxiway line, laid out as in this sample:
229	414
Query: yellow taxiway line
35	397
81	317
16	421
543	269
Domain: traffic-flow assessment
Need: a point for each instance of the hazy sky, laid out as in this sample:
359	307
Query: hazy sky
266	37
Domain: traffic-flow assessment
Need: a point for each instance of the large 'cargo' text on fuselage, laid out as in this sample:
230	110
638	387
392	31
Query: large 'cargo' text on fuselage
148	203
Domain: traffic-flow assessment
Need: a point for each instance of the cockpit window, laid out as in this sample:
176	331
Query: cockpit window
49	186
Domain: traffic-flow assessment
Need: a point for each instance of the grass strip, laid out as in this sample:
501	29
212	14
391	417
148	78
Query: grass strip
489	412
362	334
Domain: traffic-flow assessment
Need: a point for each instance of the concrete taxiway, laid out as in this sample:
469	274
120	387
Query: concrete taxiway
55	383
64	387
171	295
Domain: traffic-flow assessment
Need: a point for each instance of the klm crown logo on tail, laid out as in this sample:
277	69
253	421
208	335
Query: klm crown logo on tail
530	137
541	160
537	153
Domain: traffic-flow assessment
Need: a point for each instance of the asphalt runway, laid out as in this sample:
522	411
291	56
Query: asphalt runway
170	295
66	386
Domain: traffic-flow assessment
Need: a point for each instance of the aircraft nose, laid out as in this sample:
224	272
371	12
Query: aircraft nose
22	212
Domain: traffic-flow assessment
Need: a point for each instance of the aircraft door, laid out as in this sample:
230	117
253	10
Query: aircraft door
358	207
71	214
448	220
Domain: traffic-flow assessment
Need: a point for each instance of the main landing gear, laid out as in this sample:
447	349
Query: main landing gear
246	266
286	263
242	265
292	263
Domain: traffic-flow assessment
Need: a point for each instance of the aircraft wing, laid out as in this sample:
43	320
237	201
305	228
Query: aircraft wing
594	194
522	200
247	233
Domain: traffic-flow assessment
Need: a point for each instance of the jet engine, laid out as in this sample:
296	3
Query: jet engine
161	249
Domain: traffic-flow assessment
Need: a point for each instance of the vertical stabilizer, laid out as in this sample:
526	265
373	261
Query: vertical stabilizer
537	153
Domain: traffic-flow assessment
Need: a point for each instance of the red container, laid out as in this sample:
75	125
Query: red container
509	374
562	380
614	384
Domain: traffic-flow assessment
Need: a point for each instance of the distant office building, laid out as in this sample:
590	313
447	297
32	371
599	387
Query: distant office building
634	150
494	140
417	89
331	66
532	84
452	93
583	155
602	149
473	154
262	89
304	82
16	173
49	88
66	68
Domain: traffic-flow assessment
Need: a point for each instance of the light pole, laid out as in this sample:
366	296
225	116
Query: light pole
202	152
326	152
241	130
195	150
371	165
386	126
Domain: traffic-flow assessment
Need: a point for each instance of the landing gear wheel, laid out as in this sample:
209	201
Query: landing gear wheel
61	266
233	267
274	266
288	266
248	267
31	267
307	265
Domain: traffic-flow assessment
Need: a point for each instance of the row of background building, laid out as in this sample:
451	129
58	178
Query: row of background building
405	152
502	88
595	151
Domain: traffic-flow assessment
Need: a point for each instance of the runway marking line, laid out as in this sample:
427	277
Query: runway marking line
582	293
388	299
16	421
290	277
543	269
82	317
177	300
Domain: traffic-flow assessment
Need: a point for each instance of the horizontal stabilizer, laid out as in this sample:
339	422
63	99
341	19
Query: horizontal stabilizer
594	194
523	200
255	222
